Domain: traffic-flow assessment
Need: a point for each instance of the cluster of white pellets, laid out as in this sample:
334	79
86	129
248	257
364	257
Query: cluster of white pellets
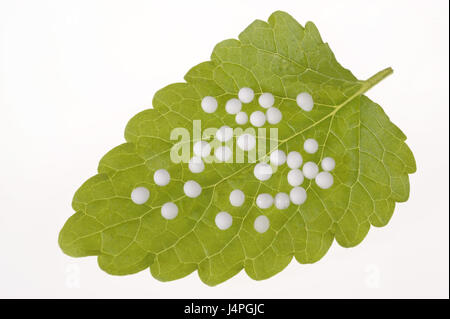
296	196
245	142
262	171
224	220
295	176
257	118
272	115
161	177
201	149
223	134
261	224
281	201
294	161
266	100
223	153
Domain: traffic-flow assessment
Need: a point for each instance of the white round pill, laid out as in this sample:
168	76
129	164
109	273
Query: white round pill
294	160
324	180
261	224
297	195
209	104
223	153
282	201
237	198
241	118
328	164
140	195
311	146
161	177
264	201
202	148
169	210
295	177
257	118
196	164
246	95
246	142
233	106
192	189
277	158
224	134
273	115
266	100
223	220
262	171
310	170
305	101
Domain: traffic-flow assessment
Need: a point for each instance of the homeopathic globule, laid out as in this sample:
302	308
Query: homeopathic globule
227	204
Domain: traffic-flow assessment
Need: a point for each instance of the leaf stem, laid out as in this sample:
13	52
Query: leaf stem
378	77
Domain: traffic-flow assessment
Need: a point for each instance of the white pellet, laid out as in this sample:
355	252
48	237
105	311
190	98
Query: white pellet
192	189
261	224
233	106
202	148
277	158
264	201
310	170
223	153
328	164
305	101
311	146
237	198
225	133
266	100
209	104
246	95
262	171
241	118
196	164
161	177
297	195
273	115
294	160
169	210
324	180
223	220
282	201
295	177
140	195
246	142
257	118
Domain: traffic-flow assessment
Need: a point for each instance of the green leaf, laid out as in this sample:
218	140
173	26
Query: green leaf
283	58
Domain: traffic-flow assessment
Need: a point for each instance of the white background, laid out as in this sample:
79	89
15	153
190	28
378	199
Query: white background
73	73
